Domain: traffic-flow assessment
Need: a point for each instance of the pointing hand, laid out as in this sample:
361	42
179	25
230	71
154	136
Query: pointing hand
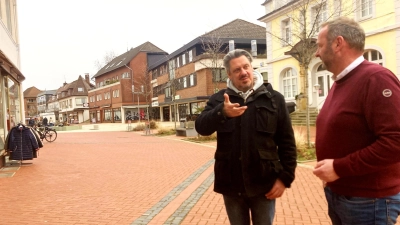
232	109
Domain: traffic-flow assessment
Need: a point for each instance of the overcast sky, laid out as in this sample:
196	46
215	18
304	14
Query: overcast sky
61	40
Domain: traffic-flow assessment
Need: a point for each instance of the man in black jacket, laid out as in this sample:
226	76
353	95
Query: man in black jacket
255	158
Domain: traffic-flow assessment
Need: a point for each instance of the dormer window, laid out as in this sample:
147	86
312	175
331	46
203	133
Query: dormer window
80	89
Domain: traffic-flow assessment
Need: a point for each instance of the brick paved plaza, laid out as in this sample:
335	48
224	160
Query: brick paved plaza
128	178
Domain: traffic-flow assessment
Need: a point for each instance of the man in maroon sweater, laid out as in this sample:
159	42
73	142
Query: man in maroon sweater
358	131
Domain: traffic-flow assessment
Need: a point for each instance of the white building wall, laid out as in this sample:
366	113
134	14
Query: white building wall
397	44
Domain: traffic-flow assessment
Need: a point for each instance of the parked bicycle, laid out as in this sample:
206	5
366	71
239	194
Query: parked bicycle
47	133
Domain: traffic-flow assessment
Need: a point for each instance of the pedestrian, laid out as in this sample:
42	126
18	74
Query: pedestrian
31	122
51	122
255	158
44	121
358	130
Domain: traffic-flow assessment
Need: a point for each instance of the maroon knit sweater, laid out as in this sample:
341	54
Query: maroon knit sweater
359	127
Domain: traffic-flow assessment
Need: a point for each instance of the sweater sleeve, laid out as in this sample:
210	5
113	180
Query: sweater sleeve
382	109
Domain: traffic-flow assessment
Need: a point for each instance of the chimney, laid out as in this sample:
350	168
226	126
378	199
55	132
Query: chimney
65	83
231	45
87	78
254	48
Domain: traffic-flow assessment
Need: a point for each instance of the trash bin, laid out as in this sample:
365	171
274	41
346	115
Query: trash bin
182	123
291	106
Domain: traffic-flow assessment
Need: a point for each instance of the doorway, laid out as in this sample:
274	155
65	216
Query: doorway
325	82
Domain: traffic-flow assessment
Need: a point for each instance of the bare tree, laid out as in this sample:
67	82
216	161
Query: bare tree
301	35
174	84
214	50
108	57
143	86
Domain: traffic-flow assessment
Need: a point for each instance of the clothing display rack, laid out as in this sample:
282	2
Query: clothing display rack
22	143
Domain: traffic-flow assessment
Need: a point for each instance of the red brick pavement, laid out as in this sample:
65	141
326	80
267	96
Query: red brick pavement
116	177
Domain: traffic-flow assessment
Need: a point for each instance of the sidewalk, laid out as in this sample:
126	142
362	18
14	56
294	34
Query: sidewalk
124	177
117	126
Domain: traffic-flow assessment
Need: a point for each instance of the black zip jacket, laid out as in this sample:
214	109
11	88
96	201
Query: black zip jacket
254	149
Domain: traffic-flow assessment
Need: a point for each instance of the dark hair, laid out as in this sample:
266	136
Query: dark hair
349	29
233	55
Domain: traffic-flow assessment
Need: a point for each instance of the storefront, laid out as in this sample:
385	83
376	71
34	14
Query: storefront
105	115
11	101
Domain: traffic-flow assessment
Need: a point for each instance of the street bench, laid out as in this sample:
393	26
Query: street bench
186	132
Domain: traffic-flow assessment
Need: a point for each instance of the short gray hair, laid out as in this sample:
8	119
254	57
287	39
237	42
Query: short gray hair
349	29
233	55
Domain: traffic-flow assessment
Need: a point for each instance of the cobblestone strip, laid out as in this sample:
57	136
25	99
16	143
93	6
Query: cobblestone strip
153	211
188	204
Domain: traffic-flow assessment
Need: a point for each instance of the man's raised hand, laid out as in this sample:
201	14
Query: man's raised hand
232	109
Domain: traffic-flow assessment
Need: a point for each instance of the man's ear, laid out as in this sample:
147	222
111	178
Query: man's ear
339	43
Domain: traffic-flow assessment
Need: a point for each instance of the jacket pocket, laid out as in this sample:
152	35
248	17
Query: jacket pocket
269	166
222	169
267	119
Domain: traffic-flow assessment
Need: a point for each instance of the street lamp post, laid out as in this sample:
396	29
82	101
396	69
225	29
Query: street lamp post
138	93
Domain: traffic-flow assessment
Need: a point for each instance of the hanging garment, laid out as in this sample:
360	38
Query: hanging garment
37	137
22	143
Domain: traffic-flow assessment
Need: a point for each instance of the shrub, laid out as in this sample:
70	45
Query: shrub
200	138
303	151
153	124
164	132
141	126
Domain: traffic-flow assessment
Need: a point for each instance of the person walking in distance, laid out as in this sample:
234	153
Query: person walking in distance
358	131
255	159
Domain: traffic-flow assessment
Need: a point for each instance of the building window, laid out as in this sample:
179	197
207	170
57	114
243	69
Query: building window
265	76
80	101
219	75
125	75
107	114
80	89
373	56
286	35
190	55
183	59
8	13
116	93
337	8
168	92
184	82
191	80
365	8
107	95
117	114
319	15
177	62
289	83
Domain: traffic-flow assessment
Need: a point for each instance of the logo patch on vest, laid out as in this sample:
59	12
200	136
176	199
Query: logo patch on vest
387	93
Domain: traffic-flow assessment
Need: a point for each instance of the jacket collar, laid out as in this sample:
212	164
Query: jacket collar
265	89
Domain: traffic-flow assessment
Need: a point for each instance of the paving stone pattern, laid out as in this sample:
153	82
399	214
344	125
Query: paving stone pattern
120	177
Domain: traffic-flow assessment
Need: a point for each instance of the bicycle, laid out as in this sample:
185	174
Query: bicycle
47	133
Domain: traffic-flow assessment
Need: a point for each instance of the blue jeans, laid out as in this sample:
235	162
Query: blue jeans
344	210
239	208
